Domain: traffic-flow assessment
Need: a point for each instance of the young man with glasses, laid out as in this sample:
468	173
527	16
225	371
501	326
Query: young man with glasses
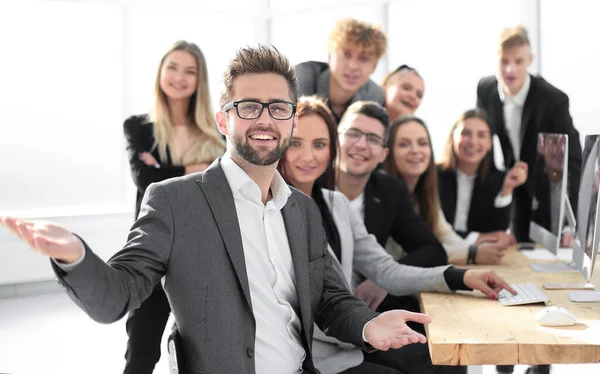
386	206
243	255
355	47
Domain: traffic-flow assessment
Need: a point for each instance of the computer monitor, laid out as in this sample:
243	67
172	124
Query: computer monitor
587	236
550	204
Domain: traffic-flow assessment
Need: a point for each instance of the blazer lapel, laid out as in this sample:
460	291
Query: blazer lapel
298	240
500	129
220	199
371	202
526	118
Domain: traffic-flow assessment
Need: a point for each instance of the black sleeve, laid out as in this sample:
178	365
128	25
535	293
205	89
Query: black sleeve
480	103
416	238
142	174
455	279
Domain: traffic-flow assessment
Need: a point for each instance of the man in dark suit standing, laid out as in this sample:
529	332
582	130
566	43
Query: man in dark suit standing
519	107
243	255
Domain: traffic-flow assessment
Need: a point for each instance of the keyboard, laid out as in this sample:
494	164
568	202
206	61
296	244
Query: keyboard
527	293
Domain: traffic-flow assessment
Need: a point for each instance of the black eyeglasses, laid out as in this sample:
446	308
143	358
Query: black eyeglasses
354	136
252	109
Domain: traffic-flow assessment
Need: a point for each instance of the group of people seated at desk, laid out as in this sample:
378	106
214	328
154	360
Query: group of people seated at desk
250	264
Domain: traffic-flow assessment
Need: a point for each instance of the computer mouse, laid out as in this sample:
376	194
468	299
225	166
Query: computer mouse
555	316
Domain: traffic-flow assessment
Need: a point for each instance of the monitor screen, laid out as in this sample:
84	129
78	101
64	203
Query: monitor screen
587	236
547	226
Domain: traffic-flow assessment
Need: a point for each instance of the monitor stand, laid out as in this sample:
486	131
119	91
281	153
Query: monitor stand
562	266
558	267
584	296
569	286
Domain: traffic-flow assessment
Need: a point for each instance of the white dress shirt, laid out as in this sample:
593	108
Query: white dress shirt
464	192
271	276
513	114
278	346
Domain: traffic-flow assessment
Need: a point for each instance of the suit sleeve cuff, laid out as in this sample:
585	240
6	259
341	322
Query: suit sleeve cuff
68	267
363	331
455	279
472	237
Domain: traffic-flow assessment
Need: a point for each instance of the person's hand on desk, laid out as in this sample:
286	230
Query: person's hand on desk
370	293
496	237
487	282
389	329
46	238
490	253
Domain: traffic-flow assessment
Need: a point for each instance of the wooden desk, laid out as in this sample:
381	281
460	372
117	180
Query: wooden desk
470	329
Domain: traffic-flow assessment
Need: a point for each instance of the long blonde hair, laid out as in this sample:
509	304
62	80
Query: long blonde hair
206	143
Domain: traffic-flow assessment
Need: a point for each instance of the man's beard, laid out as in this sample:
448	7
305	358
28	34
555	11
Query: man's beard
259	157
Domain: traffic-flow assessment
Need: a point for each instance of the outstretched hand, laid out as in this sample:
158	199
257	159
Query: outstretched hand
389	329
46	238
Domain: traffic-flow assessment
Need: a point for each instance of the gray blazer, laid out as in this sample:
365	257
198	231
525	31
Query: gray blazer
188	232
313	79
361	252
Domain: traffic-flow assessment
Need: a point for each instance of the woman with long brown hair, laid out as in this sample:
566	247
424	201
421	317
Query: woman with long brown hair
474	195
411	159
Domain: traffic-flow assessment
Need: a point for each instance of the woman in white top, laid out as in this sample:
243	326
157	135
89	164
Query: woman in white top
475	196
411	158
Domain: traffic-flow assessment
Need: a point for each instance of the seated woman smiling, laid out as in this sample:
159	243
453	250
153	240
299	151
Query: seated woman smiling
411	159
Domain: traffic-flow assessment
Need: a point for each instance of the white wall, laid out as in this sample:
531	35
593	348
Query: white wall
570	56
73	70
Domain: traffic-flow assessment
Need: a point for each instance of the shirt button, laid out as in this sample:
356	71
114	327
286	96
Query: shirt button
250	352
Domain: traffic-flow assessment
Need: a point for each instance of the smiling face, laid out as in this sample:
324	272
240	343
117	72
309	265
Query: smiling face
260	141
308	155
350	67
412	150
403	93
179	75
359	156
472	141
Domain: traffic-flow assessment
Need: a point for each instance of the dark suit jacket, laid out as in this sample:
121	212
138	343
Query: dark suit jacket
390	212
483	215
139	134
546	110
188	231
313	79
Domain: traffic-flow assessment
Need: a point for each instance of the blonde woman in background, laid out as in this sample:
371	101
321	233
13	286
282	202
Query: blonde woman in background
176	138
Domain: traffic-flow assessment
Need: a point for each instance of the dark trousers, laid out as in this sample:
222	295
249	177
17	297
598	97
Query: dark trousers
145	327
538	369
413	358
371	368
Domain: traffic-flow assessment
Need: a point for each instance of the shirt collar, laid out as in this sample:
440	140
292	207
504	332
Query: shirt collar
463	176
520	97
238	179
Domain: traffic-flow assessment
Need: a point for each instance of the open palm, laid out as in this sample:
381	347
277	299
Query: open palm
389	329
46	238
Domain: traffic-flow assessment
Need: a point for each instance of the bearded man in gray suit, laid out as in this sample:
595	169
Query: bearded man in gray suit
243	255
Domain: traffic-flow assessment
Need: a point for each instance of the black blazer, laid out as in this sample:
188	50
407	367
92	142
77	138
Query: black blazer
139	134
483	215
390	212
546	110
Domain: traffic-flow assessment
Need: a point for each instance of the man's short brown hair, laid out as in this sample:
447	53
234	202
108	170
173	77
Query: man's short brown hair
258	60
350	31
513	37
